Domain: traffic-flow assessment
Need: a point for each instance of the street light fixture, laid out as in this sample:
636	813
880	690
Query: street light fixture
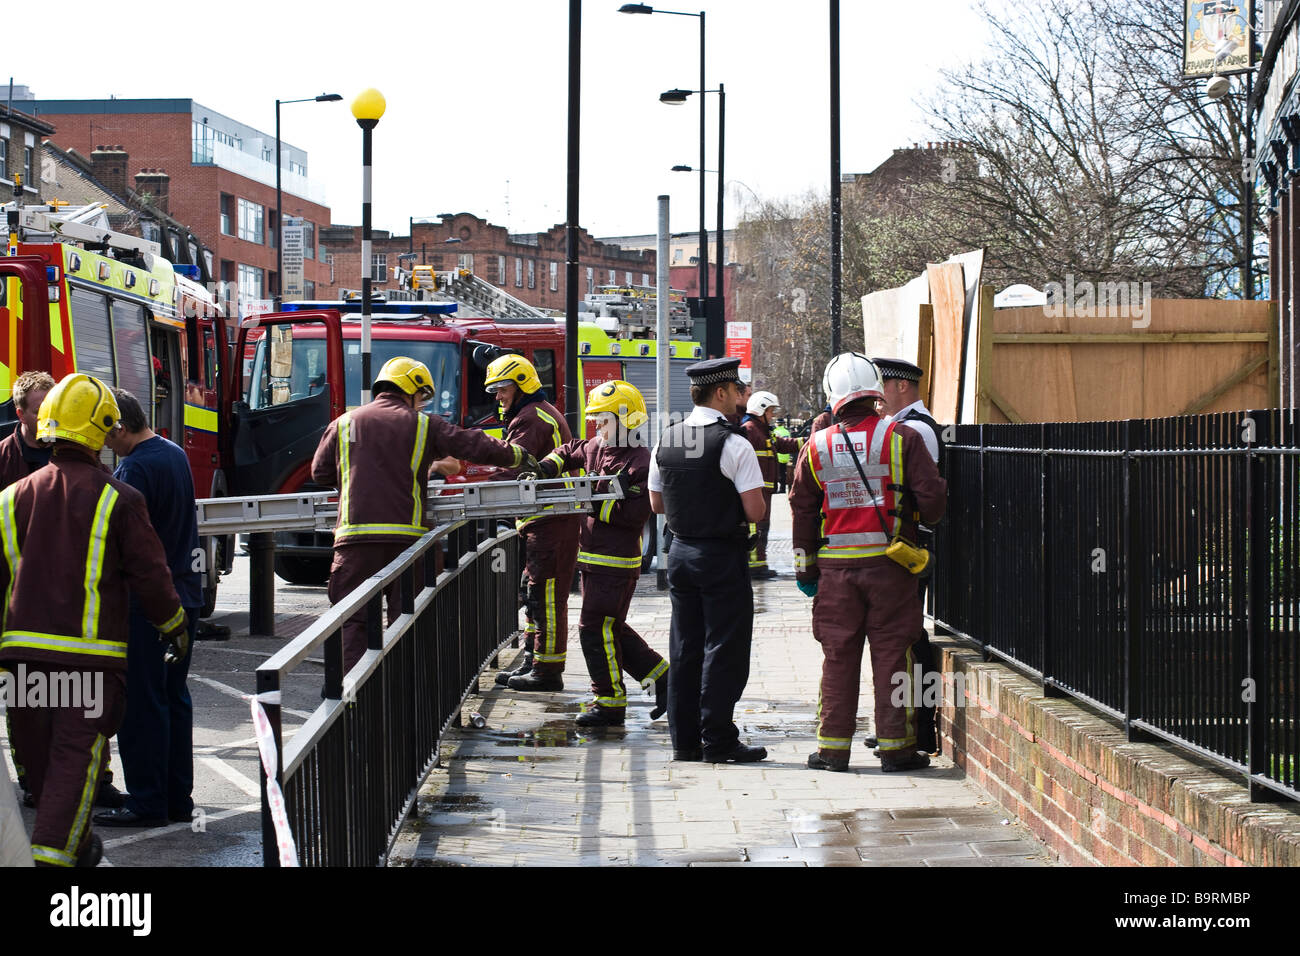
367	108
713	336
279	193
675	98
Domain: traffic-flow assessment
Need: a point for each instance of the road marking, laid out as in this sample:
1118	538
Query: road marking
236	692
241	780
175	828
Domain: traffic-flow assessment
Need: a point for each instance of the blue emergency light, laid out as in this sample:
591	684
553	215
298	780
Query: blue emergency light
376	308
189	272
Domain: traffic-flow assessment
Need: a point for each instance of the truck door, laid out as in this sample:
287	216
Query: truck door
293	390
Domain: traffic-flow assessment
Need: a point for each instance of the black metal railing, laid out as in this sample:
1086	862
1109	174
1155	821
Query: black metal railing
351	772
1150	568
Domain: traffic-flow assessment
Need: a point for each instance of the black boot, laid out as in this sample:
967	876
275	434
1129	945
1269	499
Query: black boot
893	761
597	716
503	677
537	681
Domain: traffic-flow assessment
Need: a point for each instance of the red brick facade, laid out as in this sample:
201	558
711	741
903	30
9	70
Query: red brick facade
163	141
533	262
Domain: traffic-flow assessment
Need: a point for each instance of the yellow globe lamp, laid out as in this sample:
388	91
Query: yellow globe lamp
368	107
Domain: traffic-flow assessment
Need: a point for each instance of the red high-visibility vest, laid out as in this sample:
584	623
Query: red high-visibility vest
851	524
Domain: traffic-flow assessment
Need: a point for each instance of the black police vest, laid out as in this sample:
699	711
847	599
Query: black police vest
913	415
699	500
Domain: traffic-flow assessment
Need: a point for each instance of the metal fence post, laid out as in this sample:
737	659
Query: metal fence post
1259	602
981	614
1135	551
268	692
1045	556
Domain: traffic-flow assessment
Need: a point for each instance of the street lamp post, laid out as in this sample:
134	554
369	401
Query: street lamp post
704	236
368	107
676	98
279	193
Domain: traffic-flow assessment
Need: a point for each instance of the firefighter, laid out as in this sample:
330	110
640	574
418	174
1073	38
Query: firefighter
900	381
783	459
609	555
856	485
550	542
73	542
757	426
704	477
379	457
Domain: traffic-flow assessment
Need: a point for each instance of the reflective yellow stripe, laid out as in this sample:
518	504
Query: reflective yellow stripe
556	459
556	438
611	662
769	484
548	611
63	643
342	440
413	531
614	703
541	658
606	510
51	856
95	561
200	418
417	492
9	538
846	553
608	560
88	792
173	622
802	562
764	454
659	671
834	743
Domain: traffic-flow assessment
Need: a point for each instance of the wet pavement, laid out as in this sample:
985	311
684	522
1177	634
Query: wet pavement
530	788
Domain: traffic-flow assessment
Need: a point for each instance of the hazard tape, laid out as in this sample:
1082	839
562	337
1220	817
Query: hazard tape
274	796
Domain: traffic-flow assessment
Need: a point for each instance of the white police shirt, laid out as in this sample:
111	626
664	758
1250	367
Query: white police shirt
739	462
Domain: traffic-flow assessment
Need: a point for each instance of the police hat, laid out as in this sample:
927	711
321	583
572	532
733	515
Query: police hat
714	371
897	368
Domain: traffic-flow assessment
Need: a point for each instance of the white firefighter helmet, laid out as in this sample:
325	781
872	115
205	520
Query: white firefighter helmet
760	402
850	376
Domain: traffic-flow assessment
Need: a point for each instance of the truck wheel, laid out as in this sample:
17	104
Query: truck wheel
315	571
213	554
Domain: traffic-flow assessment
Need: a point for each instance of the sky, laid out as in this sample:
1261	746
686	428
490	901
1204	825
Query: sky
476	96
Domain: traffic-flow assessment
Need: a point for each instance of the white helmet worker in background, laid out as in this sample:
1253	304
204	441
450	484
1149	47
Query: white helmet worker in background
850	376
760	412
762	402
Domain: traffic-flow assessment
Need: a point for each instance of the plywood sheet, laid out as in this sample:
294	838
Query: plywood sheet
972	264
889	320
948	299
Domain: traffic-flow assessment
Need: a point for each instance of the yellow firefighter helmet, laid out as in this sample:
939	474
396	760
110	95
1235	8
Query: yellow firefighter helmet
79	408
619	398
410	376
512	370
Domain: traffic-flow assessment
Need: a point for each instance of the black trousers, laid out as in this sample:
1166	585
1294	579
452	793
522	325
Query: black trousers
709	642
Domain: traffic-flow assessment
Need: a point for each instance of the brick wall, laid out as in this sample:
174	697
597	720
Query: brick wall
164	141
486	242
1090	795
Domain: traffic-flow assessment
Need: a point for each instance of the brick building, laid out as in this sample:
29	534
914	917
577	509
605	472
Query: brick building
218	176
20	140
530	266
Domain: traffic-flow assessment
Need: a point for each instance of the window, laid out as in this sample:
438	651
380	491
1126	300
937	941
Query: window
4	157
519	273
465	261
645	279
591	280
532	274
250	222
227	214
544	362
501	270
555	277
613	277
308	289
677	254
308	240
379	266
627	278
27	165
328	259
250	283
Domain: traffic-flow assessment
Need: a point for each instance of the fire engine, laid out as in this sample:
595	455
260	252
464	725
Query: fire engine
76	296
302	368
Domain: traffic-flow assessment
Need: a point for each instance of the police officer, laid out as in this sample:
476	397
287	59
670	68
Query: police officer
704	476
379	457
853	490
760	410
609	555
550	541
900	384
73	541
